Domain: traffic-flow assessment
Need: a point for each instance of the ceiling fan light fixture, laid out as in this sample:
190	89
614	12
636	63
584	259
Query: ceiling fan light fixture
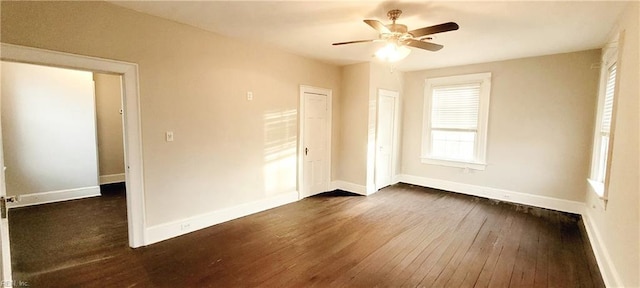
393	52
399	38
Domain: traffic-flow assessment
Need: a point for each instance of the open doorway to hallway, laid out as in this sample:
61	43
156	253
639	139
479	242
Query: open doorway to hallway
63	146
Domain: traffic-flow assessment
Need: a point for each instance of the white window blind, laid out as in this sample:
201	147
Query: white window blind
455	107
608	101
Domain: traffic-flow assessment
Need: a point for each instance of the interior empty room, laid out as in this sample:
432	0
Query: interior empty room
320	143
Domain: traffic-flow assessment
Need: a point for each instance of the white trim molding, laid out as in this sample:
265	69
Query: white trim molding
111	178
349	187
453	163
54	196
173	229
371	189
497	194
607	268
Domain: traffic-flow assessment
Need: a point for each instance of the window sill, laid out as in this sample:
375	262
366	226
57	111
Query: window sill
453	163
598	189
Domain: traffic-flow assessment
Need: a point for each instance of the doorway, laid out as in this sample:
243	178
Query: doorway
386	138
132	138
62	132
314	150
63	146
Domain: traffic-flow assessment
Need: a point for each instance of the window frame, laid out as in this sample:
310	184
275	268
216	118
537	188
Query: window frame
480	147
610	58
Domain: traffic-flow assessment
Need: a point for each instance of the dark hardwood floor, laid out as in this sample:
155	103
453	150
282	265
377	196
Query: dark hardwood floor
402	236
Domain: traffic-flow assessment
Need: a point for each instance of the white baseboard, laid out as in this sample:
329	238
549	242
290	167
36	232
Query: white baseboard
349	187
371	188
169	230
607	269
497	194
55	196
111	178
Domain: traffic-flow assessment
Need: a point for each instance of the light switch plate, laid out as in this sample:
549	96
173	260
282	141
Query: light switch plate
169	136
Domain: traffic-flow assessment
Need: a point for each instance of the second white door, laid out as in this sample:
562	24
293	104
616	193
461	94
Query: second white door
387	101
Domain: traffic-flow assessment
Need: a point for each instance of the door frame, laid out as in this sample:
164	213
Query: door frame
131	119
5	259
394	150
320	91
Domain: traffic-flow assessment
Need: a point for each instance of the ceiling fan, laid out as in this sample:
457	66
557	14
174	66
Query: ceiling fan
398	35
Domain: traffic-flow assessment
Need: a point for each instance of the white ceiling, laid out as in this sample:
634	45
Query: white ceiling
489	31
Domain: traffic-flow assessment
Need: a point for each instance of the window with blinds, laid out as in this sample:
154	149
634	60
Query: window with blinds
455	120
605	123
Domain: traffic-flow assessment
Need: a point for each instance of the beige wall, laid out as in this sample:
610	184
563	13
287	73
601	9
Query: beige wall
57	149
109	123
354	122
193	83
540	125
618	227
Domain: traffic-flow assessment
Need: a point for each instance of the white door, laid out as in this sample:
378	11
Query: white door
315	143
5	251
385	137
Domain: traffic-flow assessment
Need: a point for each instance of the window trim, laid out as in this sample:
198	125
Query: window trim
480	149
610	57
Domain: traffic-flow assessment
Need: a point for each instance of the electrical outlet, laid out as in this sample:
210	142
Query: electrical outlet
185	226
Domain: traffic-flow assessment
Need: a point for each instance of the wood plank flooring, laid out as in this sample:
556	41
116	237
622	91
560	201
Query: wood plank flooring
402	236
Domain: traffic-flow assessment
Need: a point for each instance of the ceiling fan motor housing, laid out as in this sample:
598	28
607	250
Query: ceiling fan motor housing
397	28
399	32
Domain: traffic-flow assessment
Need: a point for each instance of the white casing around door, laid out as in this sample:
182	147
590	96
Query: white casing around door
315	143
385	138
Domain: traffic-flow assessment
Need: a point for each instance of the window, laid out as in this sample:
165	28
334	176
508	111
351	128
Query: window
605	125
456	111
604	121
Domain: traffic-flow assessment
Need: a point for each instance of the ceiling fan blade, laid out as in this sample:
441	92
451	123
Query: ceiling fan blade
444	27
352	42
378	26
424	45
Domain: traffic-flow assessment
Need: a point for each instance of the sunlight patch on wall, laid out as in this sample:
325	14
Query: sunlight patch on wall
280	138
